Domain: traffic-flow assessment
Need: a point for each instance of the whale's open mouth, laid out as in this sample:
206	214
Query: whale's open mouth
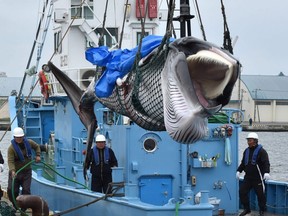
210	73
197	82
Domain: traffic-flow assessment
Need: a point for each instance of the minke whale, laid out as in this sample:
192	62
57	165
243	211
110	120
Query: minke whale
174	89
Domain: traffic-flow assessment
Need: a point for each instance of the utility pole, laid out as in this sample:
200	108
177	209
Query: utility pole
256	106
241	99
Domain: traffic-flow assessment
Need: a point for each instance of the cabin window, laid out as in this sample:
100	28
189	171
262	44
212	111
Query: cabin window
57	42
108	117
78	11
110	36
139	35
150	145
88	12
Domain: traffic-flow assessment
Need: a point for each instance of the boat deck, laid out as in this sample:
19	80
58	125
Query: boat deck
29	211
256	213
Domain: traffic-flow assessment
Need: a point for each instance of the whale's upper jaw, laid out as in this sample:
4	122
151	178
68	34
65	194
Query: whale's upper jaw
197	80
212	73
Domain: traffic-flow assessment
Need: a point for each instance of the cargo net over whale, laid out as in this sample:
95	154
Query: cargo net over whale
139	96
175	87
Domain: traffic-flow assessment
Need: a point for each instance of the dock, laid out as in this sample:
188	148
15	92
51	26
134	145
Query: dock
4	115
265	126
255	213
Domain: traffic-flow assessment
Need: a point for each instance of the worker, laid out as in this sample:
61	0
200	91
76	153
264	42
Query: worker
19	154
101	159
255	163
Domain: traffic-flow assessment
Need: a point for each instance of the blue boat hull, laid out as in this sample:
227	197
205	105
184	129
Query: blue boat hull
62	198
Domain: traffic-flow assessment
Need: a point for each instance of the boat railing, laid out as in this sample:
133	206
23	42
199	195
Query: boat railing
81	77
227	116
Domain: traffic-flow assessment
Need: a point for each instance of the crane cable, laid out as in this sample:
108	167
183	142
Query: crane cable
199	19
118	186
227	44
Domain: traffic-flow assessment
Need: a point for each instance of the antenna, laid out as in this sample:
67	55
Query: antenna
235	41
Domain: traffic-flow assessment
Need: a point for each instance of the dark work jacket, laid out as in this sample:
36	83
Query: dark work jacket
251	171
102	169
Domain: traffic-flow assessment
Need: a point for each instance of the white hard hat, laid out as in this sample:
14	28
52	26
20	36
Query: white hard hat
252	135
18	132
100	138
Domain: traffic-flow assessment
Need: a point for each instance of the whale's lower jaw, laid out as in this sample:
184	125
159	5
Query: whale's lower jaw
185	120
183	124
188	132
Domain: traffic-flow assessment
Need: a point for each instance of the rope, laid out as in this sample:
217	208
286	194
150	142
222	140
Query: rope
46	165
101	41
33	46
200	19
32	89
119	186
91	202
19	110
13	183
227	44
123	24
167	35
72	21
138	54
171	8
228	191
171	23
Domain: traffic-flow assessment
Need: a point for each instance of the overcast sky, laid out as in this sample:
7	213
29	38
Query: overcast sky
260	25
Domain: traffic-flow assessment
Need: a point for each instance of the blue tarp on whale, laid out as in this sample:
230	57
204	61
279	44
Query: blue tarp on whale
118	62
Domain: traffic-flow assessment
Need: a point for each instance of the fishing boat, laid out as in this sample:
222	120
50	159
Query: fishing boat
161	171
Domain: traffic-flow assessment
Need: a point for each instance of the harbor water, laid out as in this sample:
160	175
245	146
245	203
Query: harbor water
276	144
5	142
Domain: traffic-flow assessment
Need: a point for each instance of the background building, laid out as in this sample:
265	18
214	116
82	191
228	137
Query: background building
264	98
11	85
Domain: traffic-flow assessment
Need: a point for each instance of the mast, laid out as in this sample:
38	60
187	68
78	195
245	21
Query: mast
33	46
184	18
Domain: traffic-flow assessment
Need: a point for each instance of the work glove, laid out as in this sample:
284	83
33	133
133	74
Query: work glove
266	176
1	168
237	175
